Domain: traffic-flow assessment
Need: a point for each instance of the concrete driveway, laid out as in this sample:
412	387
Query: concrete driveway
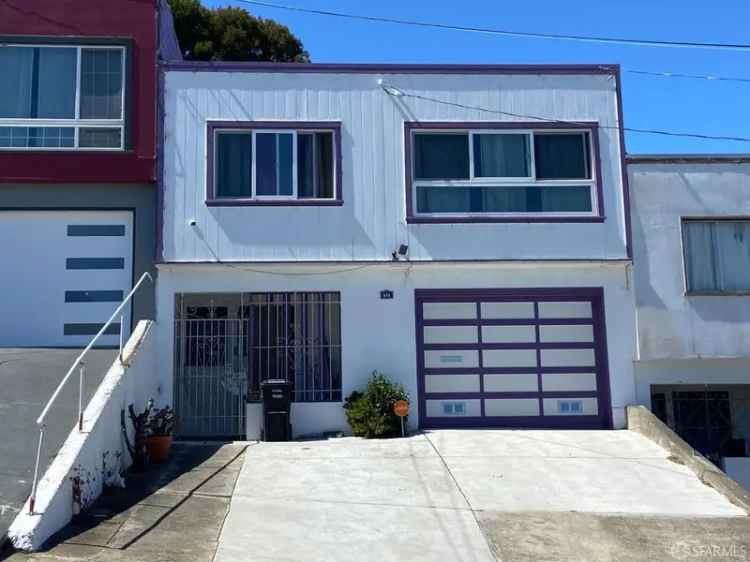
28	377
474	495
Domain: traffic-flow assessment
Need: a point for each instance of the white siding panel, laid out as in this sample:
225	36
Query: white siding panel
511	407
568	358
508	310
450	334
568	381
508	334
445	359
451	383
435	408
526	382
509	357
370	224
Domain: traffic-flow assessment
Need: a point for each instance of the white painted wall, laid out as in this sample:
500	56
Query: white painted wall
380	334
371	224
672	325
135	383
688	372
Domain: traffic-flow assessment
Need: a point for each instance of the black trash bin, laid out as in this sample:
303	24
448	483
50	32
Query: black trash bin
277	404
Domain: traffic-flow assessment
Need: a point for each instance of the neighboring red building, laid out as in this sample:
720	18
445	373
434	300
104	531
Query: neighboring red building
78	129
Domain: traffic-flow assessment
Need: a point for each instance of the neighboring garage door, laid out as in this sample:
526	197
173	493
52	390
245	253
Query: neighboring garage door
64	273
512	358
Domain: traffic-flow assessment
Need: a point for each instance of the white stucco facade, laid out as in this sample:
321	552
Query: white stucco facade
685	339
380	334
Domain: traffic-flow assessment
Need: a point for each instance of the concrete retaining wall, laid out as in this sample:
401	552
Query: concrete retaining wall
642	421
93	458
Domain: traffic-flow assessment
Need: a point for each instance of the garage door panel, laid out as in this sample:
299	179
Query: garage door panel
508	334
514	382
48	294
447	358
534	364
451	334
451	383
552	382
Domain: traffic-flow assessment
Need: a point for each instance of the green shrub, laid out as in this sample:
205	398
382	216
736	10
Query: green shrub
370	413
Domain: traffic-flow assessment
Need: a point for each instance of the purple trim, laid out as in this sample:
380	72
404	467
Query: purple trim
590	126
623	167
594	295
517	345
351	68
491	395
687	159
213	201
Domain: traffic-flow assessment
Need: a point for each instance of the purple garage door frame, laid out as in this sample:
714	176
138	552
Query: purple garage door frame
594	295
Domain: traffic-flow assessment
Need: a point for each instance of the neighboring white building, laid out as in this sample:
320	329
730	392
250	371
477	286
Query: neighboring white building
463	229
691	241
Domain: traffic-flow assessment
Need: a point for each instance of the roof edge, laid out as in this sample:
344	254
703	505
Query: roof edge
374	68
739	158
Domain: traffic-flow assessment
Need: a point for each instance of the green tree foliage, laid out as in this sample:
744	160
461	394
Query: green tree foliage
370	413
232	34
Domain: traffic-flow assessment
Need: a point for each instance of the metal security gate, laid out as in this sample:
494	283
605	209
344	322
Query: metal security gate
512	358
210	380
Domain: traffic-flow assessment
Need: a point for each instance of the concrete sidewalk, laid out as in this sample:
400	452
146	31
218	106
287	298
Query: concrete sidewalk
473	495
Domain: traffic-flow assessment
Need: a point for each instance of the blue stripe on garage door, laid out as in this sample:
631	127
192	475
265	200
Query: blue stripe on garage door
532	358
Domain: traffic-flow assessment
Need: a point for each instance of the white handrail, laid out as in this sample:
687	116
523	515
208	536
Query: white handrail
76	363
40	419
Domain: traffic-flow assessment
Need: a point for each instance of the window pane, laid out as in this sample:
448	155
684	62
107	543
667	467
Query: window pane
503	199
441	156
265	164
36	137
233	162
501	155
15	87
717	256
315	165
38	82
286	157
733	255
99	138
561	156
56	78
101	84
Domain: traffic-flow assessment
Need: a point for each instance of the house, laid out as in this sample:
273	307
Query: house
77	164
463	229
691	239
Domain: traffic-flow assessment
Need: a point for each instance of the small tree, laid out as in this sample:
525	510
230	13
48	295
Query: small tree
370	413
232	34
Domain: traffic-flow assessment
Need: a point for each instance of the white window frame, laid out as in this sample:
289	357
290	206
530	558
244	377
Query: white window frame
76	123
253	179
530	180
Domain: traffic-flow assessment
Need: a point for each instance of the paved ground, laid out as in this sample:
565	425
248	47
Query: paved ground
28	377
476	496
172	513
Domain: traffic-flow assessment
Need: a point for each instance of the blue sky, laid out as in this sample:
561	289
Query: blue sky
675	104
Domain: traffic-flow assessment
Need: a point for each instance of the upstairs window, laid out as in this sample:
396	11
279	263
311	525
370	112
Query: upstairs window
274	165
499	173
62	97
717	256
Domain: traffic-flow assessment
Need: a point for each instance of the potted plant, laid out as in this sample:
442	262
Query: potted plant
159	430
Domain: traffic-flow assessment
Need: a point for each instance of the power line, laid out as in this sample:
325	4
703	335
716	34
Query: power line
507	32
682	75
396	92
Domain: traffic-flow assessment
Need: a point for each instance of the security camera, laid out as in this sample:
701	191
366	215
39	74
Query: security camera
192	222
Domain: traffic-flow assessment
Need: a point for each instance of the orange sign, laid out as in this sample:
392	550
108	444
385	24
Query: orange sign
401	408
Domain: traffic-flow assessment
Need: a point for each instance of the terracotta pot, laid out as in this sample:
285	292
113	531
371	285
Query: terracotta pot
158	447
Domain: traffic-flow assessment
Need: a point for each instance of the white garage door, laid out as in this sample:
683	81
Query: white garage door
63	274
512	358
